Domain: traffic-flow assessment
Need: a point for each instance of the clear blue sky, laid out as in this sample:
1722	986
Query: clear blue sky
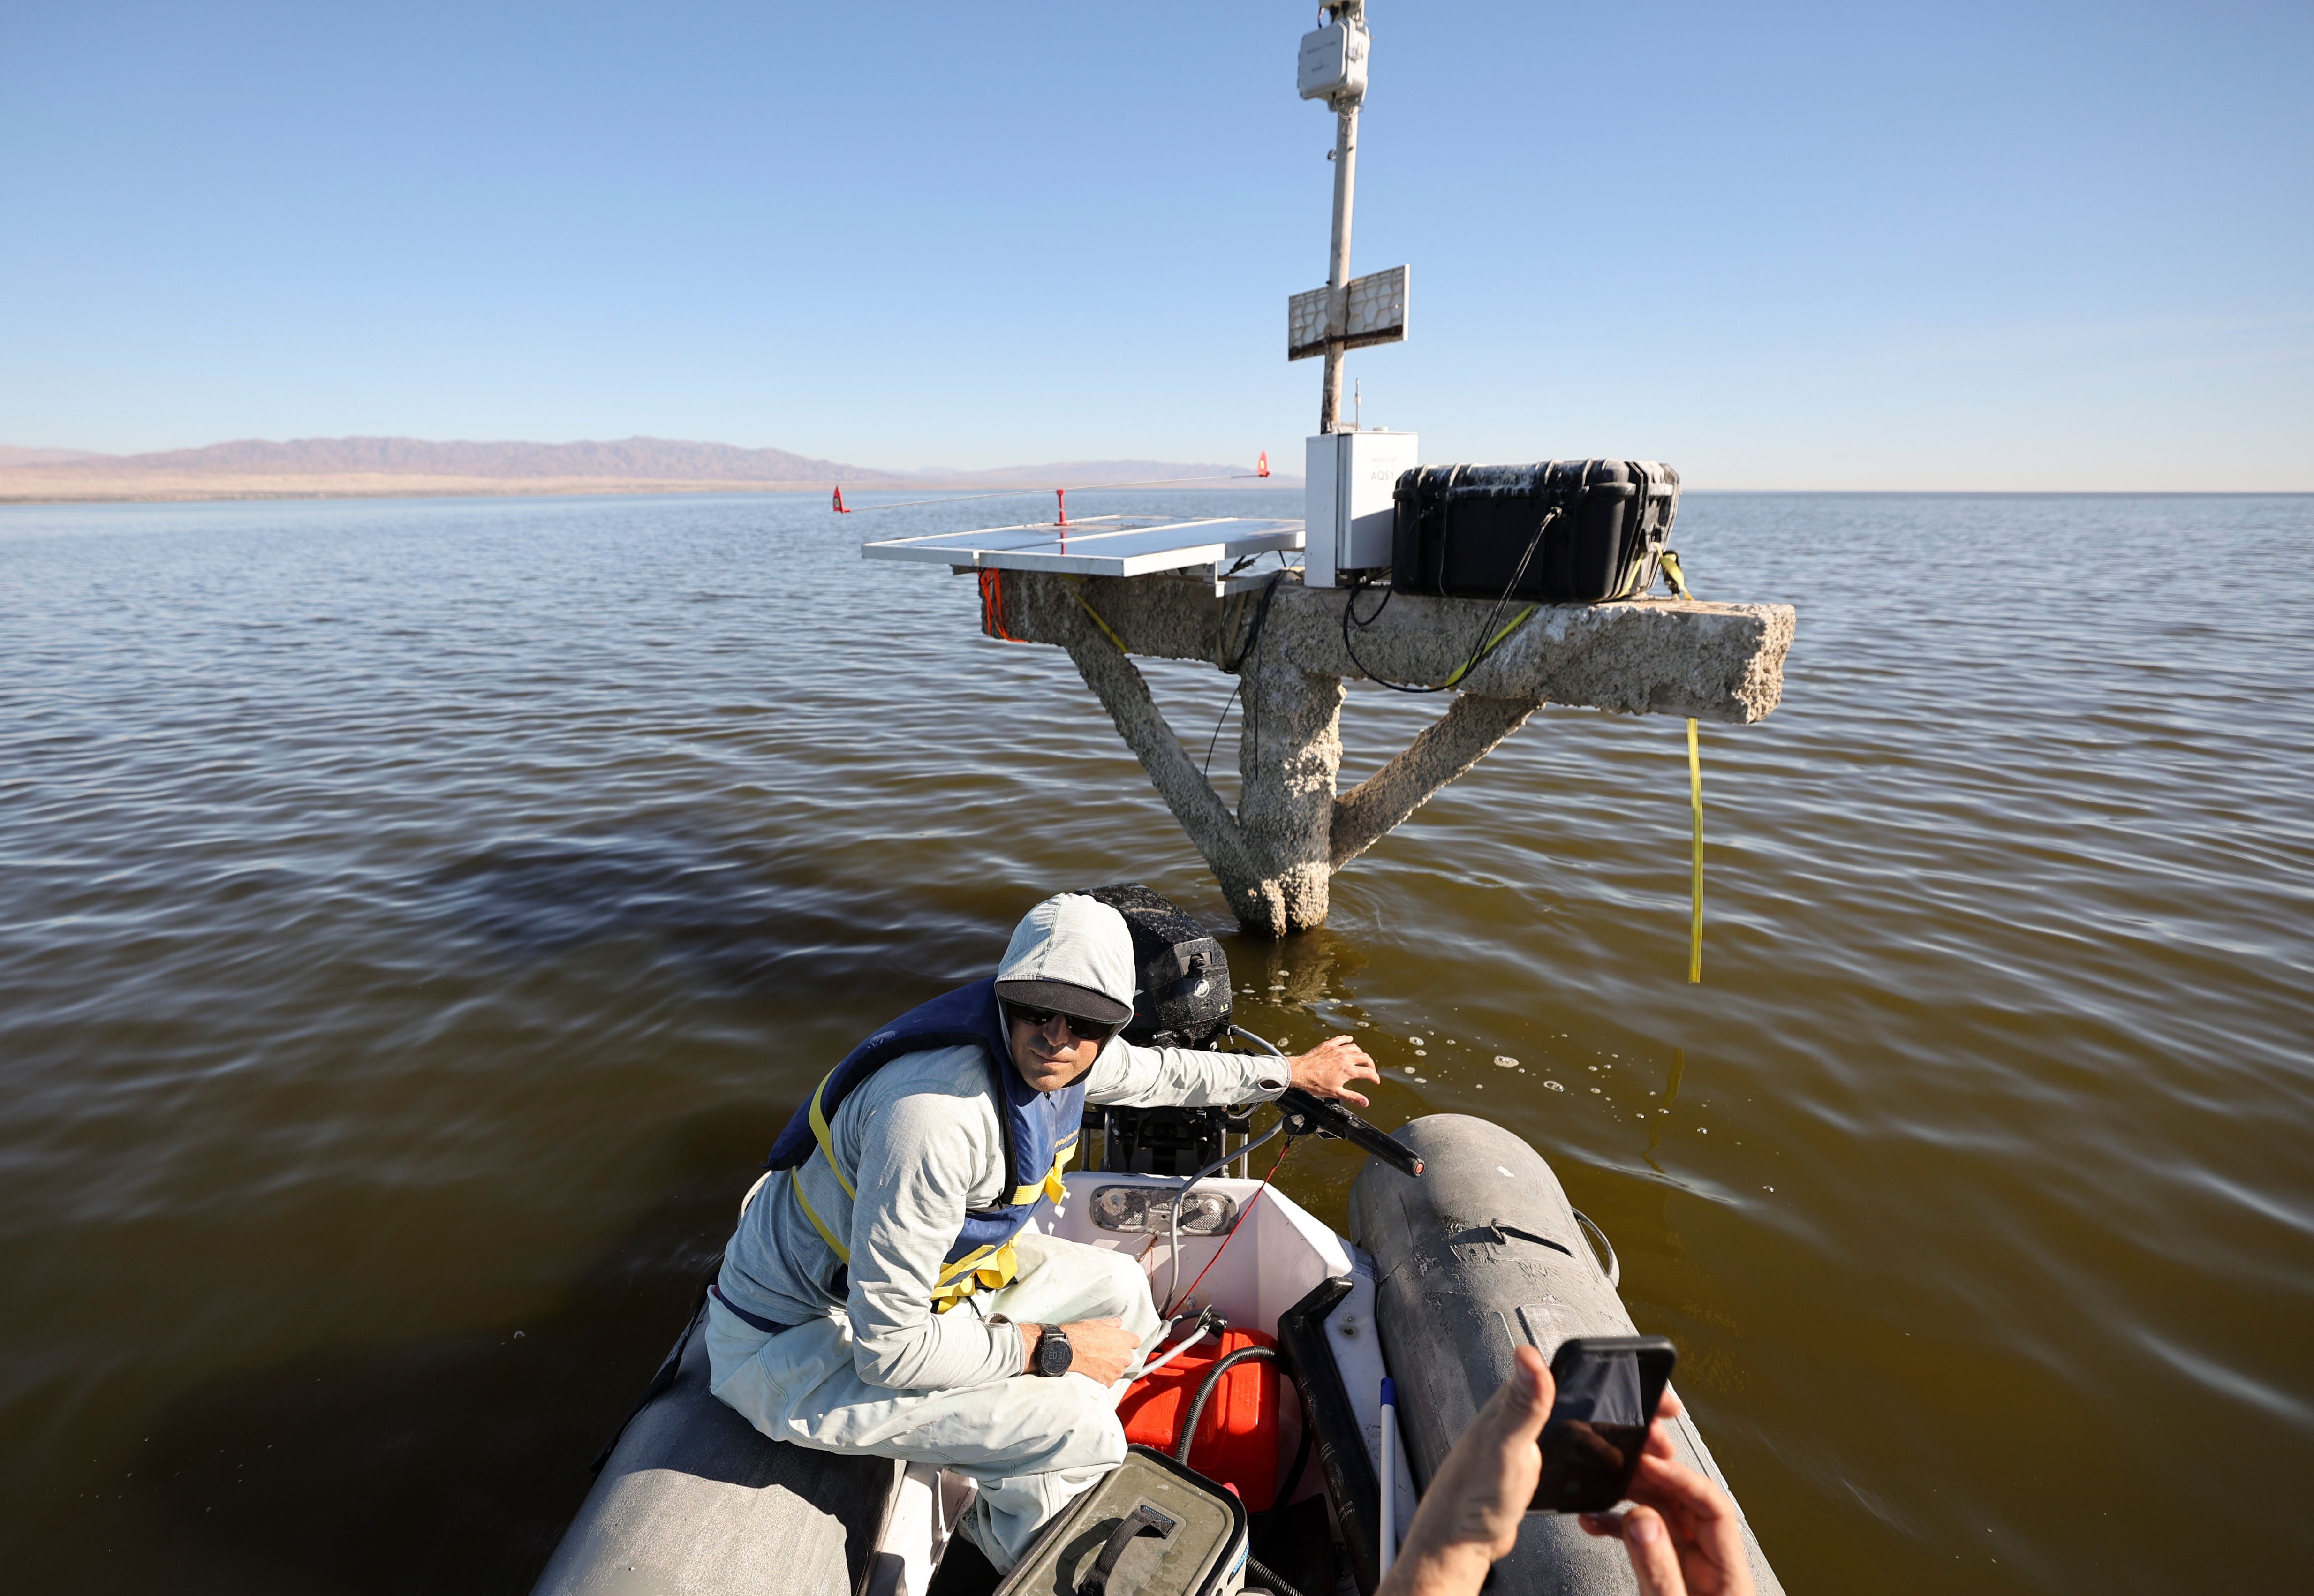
2018	245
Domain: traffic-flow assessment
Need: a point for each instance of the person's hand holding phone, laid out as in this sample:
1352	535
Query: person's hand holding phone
1470	1514
1684	1535
1682	1532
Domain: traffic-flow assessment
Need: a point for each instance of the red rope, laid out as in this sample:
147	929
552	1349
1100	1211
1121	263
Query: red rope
1225	1246
992	605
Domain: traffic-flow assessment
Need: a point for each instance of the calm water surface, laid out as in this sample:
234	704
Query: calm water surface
417	918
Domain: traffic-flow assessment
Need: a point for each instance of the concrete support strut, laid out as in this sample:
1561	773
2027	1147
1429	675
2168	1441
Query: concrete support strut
1446	748
1277	856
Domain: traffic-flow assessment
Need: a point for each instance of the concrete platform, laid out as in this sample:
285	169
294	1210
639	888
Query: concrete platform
1275	857
1642	656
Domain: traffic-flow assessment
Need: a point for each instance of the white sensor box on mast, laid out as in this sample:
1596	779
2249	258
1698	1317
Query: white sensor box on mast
1349	511
1333	61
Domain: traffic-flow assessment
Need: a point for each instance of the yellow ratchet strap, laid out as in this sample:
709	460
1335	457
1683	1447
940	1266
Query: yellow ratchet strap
1678	581
1076	586
1674	576
1480	658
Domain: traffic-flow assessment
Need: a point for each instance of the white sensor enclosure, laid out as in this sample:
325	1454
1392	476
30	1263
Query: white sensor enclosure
1348	511
1333	62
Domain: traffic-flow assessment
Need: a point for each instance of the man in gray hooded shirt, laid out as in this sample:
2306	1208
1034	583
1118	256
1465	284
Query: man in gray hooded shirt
837	1322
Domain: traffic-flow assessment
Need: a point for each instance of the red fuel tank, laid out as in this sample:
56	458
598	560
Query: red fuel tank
1237	1438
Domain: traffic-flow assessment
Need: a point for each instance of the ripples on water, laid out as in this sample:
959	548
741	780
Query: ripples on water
416	919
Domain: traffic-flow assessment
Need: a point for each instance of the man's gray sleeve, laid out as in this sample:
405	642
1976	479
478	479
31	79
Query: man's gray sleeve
1127	1077
913	1184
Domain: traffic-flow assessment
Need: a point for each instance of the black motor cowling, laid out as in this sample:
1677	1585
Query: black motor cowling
1182	1000
1182	976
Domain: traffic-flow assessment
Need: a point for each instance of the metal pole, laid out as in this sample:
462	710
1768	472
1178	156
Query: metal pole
1338	304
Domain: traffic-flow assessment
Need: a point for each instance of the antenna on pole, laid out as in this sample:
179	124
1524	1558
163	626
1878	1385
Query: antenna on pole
1348	500
1350	23
1347	312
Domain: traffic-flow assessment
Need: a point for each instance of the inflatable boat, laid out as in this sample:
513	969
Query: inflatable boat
1285	1336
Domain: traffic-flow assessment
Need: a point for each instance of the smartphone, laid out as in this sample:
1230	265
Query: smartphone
1608	1389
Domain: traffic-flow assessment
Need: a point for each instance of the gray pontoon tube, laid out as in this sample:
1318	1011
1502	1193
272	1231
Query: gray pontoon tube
1483	1253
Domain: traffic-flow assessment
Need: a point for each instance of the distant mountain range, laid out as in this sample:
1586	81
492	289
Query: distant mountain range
11	455
308	467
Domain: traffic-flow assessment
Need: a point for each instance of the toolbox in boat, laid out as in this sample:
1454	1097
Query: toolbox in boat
1150	1528
1560	532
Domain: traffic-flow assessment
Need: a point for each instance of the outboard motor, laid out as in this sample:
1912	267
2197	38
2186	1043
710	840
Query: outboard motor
1183	996
1182	1000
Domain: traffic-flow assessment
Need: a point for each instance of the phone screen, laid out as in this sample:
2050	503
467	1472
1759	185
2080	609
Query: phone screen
1607	1395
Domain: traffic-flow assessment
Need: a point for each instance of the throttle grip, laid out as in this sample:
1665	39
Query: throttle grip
1326	1117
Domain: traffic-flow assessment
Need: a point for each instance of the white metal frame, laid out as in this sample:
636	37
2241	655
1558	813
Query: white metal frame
1097	546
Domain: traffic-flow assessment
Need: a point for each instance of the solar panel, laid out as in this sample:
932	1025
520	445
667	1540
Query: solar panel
1375	304
1097	545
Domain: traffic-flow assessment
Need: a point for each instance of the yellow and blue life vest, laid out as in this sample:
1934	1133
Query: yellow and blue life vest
1040	1134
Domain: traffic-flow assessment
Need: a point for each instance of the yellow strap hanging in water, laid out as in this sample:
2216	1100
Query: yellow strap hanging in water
1695	791
1678	581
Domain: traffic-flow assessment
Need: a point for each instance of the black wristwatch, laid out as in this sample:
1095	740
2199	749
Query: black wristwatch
1053	1352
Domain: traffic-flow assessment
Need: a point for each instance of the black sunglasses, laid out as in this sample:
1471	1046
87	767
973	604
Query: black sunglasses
1083	1030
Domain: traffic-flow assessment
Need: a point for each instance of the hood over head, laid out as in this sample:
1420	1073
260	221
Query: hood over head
1071	954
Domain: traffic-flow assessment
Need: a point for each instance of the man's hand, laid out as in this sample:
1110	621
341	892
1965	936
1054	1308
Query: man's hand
1100	1349
1327	1069
1684	1537
1470	1516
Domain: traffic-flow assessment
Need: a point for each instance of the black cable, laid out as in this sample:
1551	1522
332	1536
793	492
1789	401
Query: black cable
1232	667
1294	1470
1484	647
1253	633
1276	1585
1206	769
1205	1391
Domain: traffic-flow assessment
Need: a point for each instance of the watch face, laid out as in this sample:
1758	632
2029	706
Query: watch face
1053	1353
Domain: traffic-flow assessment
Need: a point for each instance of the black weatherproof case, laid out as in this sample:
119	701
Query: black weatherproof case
1596	529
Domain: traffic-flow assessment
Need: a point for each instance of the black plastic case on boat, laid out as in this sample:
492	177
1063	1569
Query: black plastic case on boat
1150	1528
1596	529
1184	1000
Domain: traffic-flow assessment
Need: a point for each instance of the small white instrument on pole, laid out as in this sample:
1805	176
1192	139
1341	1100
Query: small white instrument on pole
1352	472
